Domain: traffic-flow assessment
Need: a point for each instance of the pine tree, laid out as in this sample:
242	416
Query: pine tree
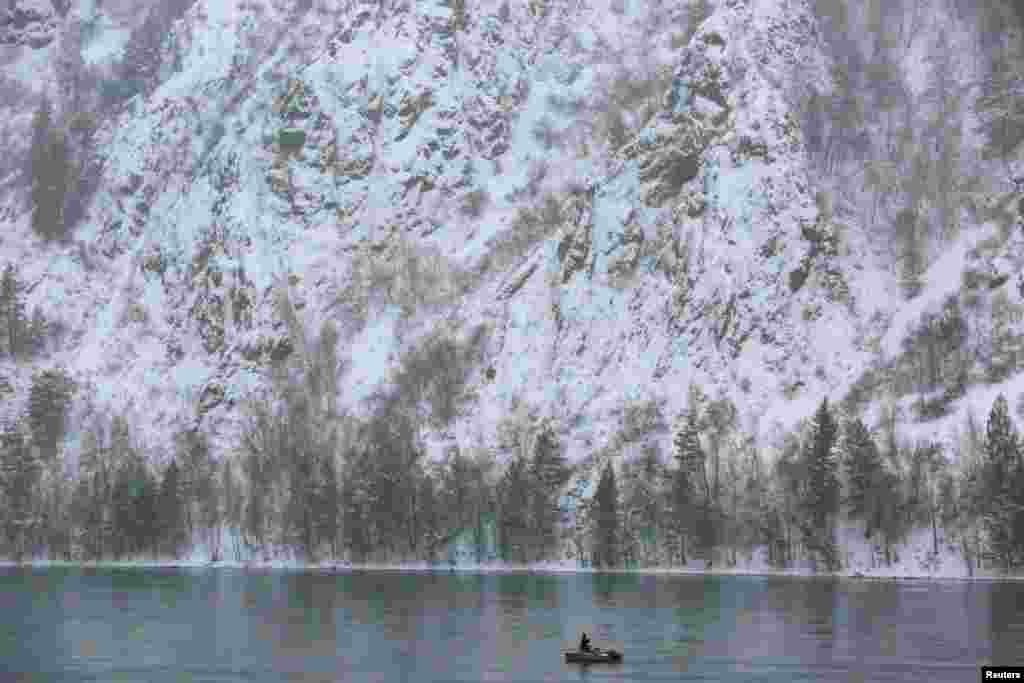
91	496
196	471
548	473
301	491
606	500
686	477
12	309
643	508
427	517
690	456
48	404
327	504
514	526
891	520
720	420
821	494
1017	513
19	478
910	238
864	471
50	170
51	503
357	529
927	465
455	491
133	507
1002	454
170	511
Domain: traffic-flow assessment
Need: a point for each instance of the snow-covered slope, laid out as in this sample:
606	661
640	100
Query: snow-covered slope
288	147
405	112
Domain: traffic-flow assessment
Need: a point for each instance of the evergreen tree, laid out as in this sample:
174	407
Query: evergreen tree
196	473
19	479
170	511
643	502
549	473
83	511
684	504
12	309
927	465
50	169
357	529
48	404
455	491
428	516
391	461
910	238
514	526
1005	348
891	520
821	494
54	531
1002	455
1017	511
135	507
299	522
720	419
606	500
90	500
791	475
689	455
864	471
327	505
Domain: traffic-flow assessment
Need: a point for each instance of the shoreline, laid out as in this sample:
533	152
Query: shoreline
546	569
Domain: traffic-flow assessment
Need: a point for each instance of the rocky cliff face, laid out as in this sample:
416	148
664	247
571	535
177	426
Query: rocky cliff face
314	156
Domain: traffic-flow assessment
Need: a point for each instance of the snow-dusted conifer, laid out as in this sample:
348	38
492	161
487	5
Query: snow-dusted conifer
606	500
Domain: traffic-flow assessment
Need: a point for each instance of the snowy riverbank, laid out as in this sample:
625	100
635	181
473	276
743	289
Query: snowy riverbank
915	562
880	574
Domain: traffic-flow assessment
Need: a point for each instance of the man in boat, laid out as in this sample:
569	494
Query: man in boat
584	643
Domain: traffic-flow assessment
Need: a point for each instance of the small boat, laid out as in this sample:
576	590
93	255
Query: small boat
595	656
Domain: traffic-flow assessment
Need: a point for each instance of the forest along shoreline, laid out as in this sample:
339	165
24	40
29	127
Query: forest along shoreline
348	568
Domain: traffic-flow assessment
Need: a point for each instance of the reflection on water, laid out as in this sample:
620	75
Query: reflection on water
230	625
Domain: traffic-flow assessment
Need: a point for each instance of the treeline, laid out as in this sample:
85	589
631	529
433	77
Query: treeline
22	336
320	487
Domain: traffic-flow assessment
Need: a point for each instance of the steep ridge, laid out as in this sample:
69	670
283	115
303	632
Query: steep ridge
408	169
695	252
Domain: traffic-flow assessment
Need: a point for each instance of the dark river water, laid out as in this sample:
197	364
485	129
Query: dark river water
233	625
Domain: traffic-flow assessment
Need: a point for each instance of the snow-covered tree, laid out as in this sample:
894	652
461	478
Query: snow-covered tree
19	478
606	501
864	475
820	501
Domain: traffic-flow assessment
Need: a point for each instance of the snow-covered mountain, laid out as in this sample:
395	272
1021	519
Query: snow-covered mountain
613	201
